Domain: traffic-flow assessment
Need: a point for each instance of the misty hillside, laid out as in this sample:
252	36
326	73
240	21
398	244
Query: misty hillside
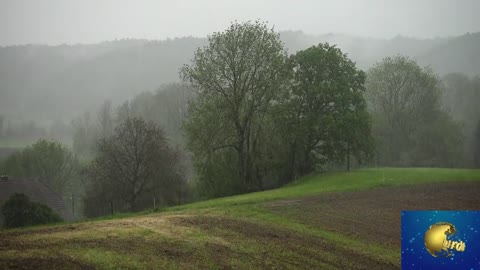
39	82
47	83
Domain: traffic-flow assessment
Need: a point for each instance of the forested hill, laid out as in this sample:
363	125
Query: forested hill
60	82
43	82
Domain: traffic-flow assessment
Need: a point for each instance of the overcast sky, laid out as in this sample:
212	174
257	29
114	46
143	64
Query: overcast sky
91	21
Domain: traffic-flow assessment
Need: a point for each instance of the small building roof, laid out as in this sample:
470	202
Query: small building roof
36	191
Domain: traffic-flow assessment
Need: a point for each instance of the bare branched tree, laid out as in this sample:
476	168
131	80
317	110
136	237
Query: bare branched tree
134	163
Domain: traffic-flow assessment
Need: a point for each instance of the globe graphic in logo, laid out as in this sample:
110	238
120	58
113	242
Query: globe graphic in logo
437	239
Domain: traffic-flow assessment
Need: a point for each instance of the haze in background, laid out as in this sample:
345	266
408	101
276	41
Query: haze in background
119	51
56	22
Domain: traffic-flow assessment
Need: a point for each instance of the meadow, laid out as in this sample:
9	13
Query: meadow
335	220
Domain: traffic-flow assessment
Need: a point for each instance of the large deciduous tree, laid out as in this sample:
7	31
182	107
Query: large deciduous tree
460	97
132	166
409	126
324	116
236	78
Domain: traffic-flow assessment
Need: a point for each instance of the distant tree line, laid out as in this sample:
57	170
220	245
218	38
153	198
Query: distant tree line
49	162
250	117
410	127
460	98
260	118
166	107
97	136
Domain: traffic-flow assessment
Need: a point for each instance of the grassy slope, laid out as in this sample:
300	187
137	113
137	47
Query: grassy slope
196	235
342	181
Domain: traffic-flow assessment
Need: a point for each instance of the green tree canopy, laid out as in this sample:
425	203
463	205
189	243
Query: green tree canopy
48	161
259	118
409	126
236	78
324	116
460	97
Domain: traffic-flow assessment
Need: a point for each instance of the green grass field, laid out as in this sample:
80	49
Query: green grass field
343	181
252	231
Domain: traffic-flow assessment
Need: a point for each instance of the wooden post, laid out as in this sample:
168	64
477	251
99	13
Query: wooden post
153	202
348	157
73	204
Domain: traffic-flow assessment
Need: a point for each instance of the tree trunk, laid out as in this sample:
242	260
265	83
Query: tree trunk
132	203
306	166
111	207
241	164
348	157
291	170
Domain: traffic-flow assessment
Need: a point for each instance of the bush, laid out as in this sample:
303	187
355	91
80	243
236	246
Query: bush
19	211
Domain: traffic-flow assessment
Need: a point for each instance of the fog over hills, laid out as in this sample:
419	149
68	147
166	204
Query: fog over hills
46	83
198	123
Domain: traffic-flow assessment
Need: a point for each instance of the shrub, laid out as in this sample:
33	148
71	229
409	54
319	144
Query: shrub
19	211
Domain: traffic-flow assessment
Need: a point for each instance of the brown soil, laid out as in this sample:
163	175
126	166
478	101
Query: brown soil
372	215
37	263
375	214
230	239
310	250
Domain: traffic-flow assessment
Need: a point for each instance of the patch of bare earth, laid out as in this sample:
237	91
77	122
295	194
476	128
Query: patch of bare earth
42	263
279	248
374	214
